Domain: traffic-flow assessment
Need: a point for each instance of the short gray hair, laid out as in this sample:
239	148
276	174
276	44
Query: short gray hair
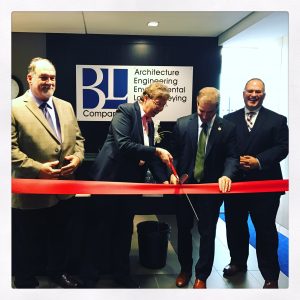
156	90
32	65
209	94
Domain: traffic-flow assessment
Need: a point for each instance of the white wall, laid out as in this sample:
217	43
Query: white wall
268	62
265	58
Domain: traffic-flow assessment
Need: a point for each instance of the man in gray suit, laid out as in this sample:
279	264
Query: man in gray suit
46	144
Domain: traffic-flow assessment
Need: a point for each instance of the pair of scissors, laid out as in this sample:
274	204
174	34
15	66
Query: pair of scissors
182	179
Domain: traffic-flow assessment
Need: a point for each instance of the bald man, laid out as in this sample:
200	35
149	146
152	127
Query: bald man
263	142
204	148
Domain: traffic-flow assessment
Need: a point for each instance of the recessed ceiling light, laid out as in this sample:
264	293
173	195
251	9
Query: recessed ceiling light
152	24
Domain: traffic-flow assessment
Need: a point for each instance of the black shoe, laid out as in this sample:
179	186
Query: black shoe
233	269
26	283
127	282
66	281
271	284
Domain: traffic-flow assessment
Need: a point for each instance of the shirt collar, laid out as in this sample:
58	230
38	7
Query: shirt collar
39	102
247	110
209	124
143	113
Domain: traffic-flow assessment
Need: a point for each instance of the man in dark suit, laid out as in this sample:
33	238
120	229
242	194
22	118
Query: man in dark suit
262	139
42	148
125	156
218	164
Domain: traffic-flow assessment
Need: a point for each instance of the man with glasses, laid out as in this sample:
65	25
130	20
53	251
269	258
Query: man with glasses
262	140
127	153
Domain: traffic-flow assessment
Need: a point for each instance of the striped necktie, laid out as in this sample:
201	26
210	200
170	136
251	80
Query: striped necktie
249	119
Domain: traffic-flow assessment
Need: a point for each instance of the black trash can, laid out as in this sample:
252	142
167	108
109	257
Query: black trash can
153	239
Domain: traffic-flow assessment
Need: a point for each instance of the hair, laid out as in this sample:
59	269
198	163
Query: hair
209	95
32	65
156	90
255	79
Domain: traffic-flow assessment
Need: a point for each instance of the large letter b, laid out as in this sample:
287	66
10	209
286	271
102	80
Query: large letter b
88	80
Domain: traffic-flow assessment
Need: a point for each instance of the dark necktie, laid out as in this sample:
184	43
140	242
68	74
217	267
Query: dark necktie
199	163
249	119
145	122
44	107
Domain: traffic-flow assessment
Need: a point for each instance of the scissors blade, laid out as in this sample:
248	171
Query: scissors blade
191	205
183	178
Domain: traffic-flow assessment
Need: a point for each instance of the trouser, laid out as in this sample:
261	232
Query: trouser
108	237
262	209
207	208
39	240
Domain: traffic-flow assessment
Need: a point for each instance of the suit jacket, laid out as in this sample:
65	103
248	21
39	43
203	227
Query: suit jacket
267	141
34	143
220	157
124	147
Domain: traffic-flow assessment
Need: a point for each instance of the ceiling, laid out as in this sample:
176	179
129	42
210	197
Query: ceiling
204	23
267	27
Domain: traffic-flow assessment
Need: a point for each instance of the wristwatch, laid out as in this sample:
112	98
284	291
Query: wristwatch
16	87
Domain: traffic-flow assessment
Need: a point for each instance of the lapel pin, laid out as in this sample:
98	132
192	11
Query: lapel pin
219	128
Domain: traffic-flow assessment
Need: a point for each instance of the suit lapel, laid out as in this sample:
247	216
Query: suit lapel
139	121
214	134
31	105
193	133
243	125
61	117
151	133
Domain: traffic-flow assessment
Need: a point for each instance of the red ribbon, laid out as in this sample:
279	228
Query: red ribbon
43	186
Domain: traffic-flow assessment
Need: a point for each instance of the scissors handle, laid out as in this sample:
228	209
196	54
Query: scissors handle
183	178
173	170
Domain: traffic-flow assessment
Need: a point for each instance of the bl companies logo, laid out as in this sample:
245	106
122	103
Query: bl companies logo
100	89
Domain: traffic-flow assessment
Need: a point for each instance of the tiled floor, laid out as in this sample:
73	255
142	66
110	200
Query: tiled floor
164	278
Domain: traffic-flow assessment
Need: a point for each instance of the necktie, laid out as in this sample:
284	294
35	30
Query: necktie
249	119
44	108
146	130
199	163
145	123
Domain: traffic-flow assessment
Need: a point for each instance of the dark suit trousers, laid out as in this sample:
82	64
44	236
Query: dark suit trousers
108	237
262	209
39	241
207	208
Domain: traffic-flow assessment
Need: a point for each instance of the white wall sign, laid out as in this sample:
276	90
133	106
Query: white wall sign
100	89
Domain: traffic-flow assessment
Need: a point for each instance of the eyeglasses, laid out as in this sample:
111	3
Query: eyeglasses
159	105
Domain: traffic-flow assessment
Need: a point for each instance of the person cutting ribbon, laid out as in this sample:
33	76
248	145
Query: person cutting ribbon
127	153
204	149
